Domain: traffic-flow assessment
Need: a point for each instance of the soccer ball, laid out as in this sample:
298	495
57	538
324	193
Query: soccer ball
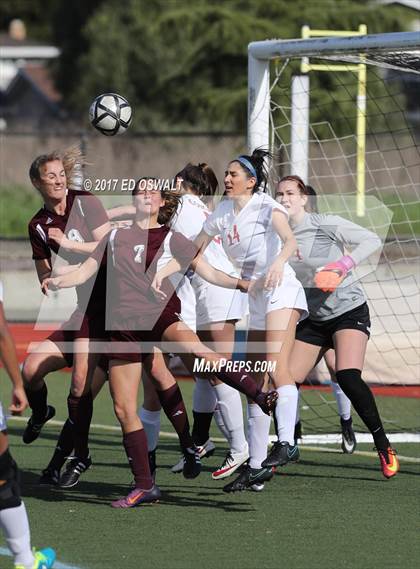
110	114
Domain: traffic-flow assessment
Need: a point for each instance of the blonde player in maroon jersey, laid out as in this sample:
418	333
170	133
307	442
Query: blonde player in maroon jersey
139	321
70	224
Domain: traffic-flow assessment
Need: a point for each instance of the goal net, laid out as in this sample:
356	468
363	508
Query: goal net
343	114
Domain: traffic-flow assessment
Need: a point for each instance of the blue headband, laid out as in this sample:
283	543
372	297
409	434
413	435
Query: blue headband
245	162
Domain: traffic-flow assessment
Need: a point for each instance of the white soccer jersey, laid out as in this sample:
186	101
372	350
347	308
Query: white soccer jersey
211	303
252	243
248	237
1	291
189	220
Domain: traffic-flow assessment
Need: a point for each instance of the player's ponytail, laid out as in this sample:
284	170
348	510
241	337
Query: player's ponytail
73	162
255	166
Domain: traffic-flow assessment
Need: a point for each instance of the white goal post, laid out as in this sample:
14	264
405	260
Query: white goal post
260	54
312	124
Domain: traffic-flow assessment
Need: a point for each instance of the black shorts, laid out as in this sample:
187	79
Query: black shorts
320	333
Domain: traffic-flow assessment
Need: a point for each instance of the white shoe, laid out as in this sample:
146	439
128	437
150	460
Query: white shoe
231	463
204	451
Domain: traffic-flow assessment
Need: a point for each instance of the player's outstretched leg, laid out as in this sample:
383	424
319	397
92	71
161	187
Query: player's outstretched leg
363	401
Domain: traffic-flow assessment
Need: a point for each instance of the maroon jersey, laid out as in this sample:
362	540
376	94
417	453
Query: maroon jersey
134	255
84	213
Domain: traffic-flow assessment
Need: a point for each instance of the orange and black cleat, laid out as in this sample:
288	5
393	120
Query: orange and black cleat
389	462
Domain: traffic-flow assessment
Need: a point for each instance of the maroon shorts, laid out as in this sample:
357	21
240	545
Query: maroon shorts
79	325
127	344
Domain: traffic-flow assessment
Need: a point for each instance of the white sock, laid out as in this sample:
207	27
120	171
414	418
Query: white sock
229	404
258	432
286	413
15	524
298	408
343	402
204	396
218	419
151	424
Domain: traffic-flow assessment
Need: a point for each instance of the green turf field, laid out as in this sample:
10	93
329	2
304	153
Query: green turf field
328	511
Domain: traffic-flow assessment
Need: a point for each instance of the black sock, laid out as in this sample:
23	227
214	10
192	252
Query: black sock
80	414
361	397
201	427
38	402
64	446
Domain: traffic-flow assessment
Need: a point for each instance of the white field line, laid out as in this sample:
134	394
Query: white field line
308	441
57	565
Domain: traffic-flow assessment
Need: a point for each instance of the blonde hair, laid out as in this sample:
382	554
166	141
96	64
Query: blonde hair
73	161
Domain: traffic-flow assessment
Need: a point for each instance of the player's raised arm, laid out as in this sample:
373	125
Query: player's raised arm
96	219
275	272
121	212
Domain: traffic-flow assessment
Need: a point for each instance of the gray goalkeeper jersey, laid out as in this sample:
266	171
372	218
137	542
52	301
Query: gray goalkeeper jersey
324	239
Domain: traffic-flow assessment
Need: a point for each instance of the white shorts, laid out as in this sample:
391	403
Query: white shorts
3	424
186	295
289	294
218	304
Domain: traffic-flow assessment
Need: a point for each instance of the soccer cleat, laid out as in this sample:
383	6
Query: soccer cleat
137	497
267	400
280	454
389	462
348	438
230	465
74	468
249	478
298	432
44	559
49	477
192	463
204	451
33	430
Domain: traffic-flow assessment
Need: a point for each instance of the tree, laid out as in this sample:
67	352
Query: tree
183	64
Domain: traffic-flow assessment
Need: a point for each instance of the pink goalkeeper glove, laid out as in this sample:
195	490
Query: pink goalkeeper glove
328	278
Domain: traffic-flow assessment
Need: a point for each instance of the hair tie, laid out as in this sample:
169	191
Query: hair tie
245	162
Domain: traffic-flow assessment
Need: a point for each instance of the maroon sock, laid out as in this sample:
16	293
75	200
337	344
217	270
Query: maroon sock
135	444
173	405
64	446
240	380
80	414
38	402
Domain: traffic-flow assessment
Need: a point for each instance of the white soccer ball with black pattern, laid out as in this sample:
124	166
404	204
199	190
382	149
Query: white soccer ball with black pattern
110	113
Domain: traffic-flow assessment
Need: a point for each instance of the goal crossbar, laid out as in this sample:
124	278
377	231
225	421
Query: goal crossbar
398	41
